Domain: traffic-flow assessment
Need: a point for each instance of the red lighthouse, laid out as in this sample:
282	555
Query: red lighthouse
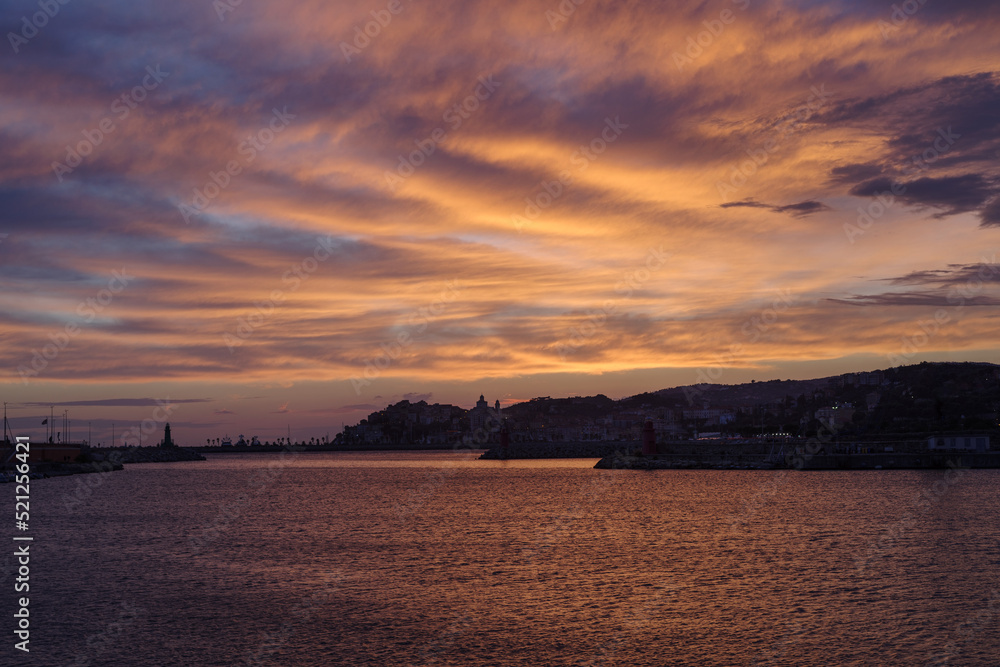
504	440
648	439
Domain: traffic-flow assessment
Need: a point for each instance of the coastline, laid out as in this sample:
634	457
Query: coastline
145	454
841	462
99	460
764	455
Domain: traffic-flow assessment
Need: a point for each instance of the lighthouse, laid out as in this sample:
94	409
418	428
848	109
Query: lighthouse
648	439
167	440
504	440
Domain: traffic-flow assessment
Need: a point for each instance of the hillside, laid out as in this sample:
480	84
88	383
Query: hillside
895	402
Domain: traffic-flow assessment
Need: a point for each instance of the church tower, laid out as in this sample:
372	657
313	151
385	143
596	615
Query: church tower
479	416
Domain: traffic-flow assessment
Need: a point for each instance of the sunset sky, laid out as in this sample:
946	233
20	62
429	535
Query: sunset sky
268	216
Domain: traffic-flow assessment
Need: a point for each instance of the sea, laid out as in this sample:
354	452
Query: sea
438	558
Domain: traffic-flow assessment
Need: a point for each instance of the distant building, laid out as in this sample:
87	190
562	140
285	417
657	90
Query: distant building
712	416
974	443
482	417
668	428
836	415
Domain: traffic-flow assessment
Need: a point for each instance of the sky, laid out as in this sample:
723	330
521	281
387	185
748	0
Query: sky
282	216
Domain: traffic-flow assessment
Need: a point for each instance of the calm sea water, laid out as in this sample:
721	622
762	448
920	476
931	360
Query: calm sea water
439	559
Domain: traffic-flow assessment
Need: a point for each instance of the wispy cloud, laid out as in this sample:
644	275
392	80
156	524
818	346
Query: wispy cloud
118	402
799	209
914	115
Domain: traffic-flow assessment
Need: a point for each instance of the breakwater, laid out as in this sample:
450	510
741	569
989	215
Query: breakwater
682	450
903	461
880	461
60	469
144	454
622	461
353	447
762	455
45	469
107	459
558	450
